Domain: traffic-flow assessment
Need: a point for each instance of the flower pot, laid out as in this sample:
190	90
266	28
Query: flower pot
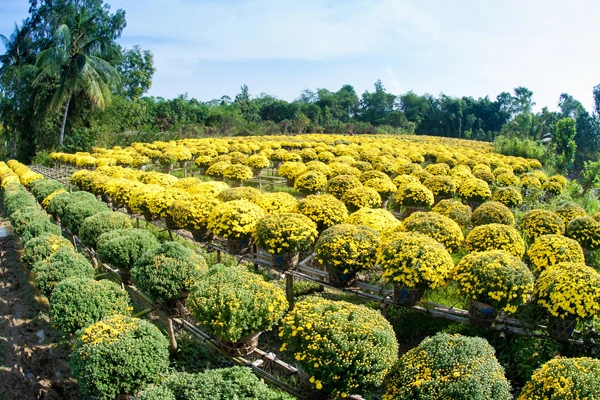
148	216
561	329
125	276
407	297
106	198
408	210
286	261
235	183
242	347
129	210
481	314
239	246
170	223
204	236
256	171
340	279
289	183
308	389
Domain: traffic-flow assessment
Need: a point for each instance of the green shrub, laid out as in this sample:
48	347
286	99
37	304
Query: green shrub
97	224
65	263
122	247
586	230
59	203
44	187
78	302
514	146
217	384
167	271
232	303
448	367
17	201
20	218
42	247
76	212
40	226
118	355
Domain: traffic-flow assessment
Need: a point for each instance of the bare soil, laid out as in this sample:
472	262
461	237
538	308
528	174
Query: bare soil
33	362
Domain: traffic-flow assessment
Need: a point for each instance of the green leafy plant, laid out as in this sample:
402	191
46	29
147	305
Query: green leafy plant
97	224
64	263
121	248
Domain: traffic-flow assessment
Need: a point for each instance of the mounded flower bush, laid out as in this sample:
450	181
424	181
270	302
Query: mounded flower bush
64	263
378	219
536	223
509	196
311	182
192	213
548	250
414	260
455	210
325	210
384	187
118	355
241	193
234	219
492	212
441	185
414	194
564	378
231	303
448	367
436	226
43	247
586	230
496	278
44	187
167	271
75	213
360	197
78	302
238	173
495	237
568	212
160	202
340	184
275	203
94	226
347	248
344	348
569	290
58	204
39	226
121	248
214	384
285	233
474	190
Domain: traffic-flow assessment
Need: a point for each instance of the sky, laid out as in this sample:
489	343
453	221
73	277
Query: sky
478	48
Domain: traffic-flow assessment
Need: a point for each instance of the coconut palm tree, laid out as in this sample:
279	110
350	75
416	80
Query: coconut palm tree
78	58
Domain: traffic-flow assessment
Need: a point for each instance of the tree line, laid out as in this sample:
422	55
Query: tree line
66	83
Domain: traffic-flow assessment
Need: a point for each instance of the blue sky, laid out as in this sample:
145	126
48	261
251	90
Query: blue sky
209	48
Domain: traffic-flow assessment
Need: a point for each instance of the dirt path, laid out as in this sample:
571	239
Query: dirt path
33	365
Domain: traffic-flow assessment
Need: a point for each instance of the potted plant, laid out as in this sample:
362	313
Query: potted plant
494	281
192	214
436	226
235	306
285	236
536	223
414	197
235	221
495	237
548	250
325	210
346	249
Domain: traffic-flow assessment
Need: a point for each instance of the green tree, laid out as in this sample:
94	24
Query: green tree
563	139
136	69
78	58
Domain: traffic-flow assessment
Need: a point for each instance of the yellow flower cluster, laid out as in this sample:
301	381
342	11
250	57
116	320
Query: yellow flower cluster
548	250
192	213
569	212
509	196
340	184
414	194
564	379
347	248
535	223
413	260
258	161
441	185
311	182
285	233
436	226
383	186
492	212
455	210
275	203
159	203
569	290
344	348
238	172
360	197
508	179
325	210
586	230
49	198
108	330
234	219
495	237
378	219
496	278
474	190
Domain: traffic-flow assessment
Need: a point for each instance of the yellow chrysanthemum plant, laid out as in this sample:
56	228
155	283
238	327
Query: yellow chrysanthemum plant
118	355
455	210
436	226
586	230
311	182
509	196
536	223
564	379
441	186
192	215
341	348
474	191
379	219
325	210
345	250
568	212
285	236
447	367
568	292
492	212
340	184
277	202
494	281
495	237
360	197
291	170
414	196
235	221
414	262
235	306
548	250
237	173
160	203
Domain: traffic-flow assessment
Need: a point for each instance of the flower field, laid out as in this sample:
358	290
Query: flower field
428	226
